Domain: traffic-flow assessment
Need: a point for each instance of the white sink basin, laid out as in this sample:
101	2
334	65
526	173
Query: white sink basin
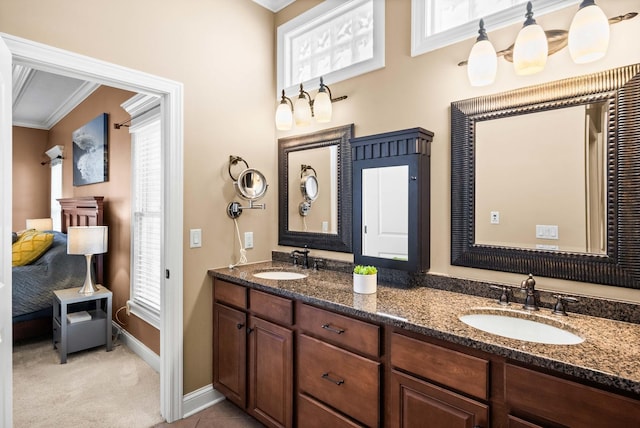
280	275
522	329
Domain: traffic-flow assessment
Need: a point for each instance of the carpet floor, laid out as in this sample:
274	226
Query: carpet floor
93	389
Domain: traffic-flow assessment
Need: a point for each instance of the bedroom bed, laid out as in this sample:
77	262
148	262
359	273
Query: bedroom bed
33	284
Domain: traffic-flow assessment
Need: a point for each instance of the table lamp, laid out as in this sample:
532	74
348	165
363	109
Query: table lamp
87	240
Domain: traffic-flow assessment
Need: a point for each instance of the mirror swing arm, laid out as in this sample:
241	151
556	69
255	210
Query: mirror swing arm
619	266
250	185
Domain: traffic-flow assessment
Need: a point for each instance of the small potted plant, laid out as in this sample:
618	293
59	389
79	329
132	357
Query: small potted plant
365	279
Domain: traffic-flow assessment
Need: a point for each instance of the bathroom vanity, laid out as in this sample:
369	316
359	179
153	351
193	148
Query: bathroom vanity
310	352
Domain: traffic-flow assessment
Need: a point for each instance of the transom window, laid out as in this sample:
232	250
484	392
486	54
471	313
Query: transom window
439	23
336	40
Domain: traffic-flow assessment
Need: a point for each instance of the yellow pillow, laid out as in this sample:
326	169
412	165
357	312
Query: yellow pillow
30	246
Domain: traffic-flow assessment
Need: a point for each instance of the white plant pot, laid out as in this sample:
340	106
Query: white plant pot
365	284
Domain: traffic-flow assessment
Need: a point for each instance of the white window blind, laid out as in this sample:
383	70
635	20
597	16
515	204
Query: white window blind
146	269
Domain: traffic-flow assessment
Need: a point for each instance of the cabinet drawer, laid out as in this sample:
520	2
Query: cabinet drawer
313	414
271	307
231	294
563	401
345	381
450	368
340	330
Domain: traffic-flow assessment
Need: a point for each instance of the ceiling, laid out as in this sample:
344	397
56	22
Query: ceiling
41	99
274	5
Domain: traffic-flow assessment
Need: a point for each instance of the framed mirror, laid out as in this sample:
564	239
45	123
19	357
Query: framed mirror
314	190
546	179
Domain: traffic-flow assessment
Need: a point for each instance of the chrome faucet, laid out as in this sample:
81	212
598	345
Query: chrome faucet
529	285
305	256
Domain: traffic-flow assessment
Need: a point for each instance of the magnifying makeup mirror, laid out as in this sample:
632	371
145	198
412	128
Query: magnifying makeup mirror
251	185
308	188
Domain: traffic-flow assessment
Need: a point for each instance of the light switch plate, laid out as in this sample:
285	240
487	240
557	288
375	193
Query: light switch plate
195	238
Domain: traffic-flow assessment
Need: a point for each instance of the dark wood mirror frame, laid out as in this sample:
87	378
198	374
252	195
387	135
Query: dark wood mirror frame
341	241
620	265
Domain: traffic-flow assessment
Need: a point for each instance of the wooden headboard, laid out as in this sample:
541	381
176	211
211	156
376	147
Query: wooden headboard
85	211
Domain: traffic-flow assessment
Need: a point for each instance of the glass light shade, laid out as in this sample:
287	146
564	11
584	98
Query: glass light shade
588	35
284	117
302	112
322	107
482	64
40	223
87	239
530	50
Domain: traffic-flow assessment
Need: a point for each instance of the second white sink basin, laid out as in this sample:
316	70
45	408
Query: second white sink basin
522	329
280	275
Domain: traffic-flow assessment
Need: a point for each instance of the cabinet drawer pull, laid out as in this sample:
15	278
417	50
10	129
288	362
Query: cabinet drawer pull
239	326
327	377
332	329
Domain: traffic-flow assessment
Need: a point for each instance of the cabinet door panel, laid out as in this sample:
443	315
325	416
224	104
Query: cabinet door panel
415	403
229	353
270	373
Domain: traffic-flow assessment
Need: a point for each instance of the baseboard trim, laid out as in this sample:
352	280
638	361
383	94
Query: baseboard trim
200	399
138	348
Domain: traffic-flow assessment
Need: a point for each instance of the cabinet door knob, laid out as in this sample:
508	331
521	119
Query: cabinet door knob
239	326
249	330
327	377
332	329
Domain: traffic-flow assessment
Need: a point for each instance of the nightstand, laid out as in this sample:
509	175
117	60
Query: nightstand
81	321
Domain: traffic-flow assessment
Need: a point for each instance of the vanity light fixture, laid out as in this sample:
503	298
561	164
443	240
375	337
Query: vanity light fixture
483	61
305	108
588	40
531	48
588	34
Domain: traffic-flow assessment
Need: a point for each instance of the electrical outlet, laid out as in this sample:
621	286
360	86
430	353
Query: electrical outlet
248	240
495	217
128	310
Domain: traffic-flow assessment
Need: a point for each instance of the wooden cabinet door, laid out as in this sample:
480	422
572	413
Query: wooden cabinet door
270	373
230	353
417	404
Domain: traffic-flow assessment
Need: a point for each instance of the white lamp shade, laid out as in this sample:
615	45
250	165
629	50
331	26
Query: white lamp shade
40	223
87	239
284	117
530	50
302	112
322	107
588	35
482	64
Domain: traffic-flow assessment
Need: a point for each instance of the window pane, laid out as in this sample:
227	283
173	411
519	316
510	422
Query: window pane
333	45
442	15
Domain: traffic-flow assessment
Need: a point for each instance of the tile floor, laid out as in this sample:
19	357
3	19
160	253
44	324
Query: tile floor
221	415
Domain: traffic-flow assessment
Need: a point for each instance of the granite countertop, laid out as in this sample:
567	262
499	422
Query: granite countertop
609	354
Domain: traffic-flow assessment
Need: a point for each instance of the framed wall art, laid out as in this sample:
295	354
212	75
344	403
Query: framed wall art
90	152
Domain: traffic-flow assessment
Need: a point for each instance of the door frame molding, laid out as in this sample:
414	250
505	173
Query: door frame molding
59	61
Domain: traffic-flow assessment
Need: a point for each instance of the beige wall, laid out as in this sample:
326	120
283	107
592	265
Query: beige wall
31	180
223	52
